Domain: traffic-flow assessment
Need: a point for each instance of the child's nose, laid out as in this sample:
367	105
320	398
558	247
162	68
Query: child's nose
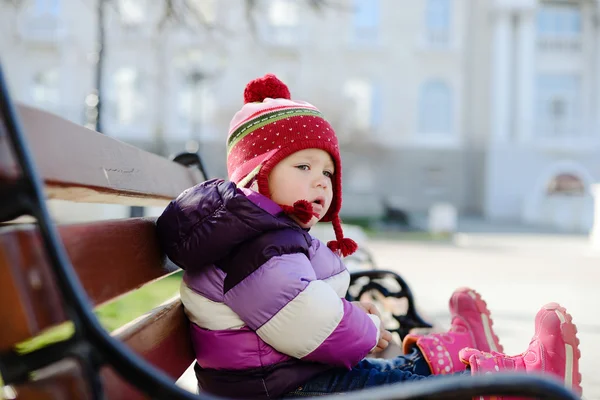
322	181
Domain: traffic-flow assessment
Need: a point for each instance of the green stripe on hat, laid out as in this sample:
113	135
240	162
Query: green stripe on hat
264	120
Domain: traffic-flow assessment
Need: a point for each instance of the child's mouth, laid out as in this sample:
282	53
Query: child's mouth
318	204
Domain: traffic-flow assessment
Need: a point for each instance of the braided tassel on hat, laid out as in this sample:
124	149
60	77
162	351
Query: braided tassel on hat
345	246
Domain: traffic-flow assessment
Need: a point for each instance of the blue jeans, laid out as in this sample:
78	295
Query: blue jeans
370	372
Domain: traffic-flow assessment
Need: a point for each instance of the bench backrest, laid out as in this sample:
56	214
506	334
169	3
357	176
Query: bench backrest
110	257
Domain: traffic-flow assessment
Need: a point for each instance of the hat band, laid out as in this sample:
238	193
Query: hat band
264	120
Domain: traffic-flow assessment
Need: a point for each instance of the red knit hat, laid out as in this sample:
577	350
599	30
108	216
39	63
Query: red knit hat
269	127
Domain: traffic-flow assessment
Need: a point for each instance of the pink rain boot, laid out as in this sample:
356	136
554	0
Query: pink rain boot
471	327
552	350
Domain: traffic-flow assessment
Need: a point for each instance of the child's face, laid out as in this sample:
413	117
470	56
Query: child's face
304	175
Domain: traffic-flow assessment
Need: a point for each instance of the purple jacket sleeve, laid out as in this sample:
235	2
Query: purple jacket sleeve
354	332
302	316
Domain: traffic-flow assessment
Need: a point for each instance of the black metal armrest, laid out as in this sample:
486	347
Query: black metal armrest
407	321
468	387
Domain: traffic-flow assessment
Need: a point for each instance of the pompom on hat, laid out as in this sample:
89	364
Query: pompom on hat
269	127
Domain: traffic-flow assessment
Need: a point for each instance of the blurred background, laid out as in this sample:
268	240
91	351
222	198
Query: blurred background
470	129
490	106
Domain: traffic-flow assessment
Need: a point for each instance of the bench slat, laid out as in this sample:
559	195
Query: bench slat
79	164
28	292
110	257
161	338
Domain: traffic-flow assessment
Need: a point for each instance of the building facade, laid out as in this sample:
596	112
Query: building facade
490	105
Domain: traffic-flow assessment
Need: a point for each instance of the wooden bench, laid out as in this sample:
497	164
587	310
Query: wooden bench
110	258
50	274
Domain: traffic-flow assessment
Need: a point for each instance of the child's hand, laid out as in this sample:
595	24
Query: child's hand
386	336
384	340
369	308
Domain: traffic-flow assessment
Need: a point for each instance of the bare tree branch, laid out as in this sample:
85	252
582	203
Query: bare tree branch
189	15
15	3
315	5
198	15
169	14
250	7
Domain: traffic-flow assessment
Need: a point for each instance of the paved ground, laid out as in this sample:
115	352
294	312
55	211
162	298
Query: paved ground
516	274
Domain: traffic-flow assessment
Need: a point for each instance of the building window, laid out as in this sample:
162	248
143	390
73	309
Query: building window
559	27
196	106
559	20
366	20
47	8
283	18
196	100
435	109
376	105
365	104
45	91
438	22
127	98
42	22
558	105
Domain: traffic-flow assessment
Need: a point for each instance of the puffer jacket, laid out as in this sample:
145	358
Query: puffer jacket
265	300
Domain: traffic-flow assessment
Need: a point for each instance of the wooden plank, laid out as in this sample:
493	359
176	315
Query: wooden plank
79	164
28	293
110	257
162	338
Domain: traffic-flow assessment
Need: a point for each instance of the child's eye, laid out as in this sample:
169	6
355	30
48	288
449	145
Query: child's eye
328	174
303	167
